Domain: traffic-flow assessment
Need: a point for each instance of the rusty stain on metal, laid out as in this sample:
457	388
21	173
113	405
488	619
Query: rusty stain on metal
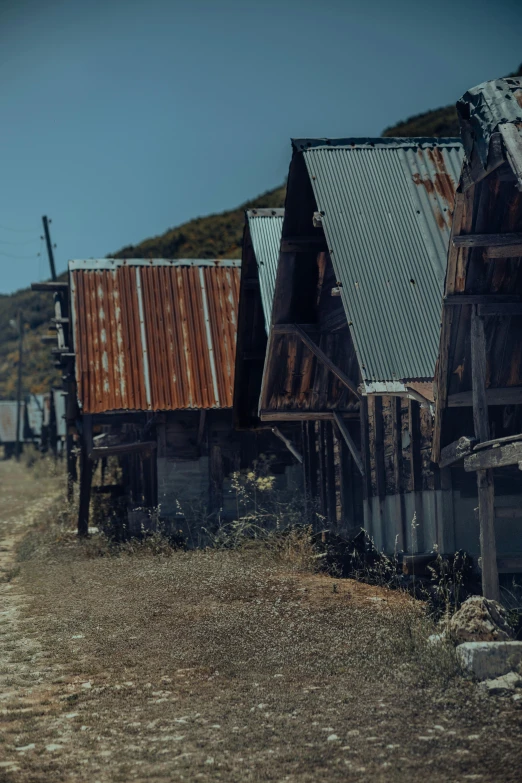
154	335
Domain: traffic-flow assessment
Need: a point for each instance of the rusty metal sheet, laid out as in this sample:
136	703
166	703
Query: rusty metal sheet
154	334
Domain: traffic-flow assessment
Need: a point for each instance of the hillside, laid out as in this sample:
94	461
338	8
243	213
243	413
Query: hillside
205	237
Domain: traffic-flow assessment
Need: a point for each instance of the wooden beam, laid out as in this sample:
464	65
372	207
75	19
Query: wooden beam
50	285
478	376
457	450
289	445
123	448
305	415
485	485
354	451
365	449
505	251
497	442
487	240
86	473
378	443
320	354
415	446
507	309
396	439
453	300
494	457
304	244
509	565
201	426
509	395
48	338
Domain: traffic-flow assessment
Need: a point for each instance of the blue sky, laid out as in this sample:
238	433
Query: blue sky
121	119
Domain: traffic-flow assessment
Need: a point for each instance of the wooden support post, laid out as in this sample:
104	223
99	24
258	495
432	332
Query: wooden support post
86	471
331	494
322	469
486	491
378	434
72	474
415	445
365	449
311	446
216	478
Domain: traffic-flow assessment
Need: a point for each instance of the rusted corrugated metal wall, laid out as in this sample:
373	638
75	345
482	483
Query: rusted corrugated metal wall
154	335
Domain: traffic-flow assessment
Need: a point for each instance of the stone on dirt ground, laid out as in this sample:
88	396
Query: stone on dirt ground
487	660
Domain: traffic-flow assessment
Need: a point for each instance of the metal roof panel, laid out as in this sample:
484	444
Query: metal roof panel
154	335
387	207
266	226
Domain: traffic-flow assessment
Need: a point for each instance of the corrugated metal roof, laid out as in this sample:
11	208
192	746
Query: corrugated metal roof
387	211
483	109
154	334
266	226
8	421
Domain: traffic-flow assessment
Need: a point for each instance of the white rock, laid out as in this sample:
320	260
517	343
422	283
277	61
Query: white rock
53	747
502	684
332	738
22	748
487	660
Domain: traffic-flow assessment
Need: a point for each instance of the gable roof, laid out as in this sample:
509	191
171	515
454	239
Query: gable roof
154	334
386	207
266	226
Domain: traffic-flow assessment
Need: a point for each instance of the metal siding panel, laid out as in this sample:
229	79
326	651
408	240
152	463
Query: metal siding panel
386	221
8	413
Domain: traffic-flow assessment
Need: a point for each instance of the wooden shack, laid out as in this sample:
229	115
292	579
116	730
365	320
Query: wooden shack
148	353
478	421
354	330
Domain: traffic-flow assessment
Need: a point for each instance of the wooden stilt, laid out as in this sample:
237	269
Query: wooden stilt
86	471
486	491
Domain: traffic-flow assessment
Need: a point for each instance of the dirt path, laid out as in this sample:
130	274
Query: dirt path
223	666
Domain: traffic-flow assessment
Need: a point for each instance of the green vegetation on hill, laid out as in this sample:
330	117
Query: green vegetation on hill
215	236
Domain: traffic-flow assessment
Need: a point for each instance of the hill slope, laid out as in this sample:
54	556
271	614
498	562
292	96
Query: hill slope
215	236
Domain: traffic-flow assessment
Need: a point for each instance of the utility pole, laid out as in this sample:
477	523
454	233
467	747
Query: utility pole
19	385
49	246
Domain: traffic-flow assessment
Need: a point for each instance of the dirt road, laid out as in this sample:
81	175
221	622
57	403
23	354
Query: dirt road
221	666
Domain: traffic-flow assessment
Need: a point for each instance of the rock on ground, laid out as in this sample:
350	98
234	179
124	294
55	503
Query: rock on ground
487	660
480	620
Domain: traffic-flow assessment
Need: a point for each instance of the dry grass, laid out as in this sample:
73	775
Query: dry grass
236	666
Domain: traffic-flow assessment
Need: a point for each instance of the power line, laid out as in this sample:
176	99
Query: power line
25	242
18	230
19	258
